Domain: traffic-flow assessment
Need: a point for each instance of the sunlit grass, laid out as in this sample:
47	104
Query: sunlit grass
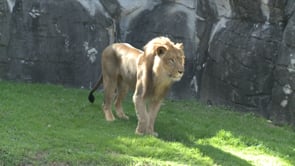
252	151
171	152
53	125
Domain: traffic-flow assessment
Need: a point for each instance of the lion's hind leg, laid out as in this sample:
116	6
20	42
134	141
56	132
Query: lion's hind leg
109	91
122	91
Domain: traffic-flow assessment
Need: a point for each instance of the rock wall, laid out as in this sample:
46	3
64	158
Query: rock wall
239	53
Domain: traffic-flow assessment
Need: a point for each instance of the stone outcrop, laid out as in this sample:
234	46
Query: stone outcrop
238	53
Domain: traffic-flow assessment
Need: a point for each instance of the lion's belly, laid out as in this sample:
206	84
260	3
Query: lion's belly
129	76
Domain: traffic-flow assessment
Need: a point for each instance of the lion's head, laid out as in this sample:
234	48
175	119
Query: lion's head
168	57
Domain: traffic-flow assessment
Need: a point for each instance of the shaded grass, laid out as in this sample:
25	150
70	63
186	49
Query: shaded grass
53	125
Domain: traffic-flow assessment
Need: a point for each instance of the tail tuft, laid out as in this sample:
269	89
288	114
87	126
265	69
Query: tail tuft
91	98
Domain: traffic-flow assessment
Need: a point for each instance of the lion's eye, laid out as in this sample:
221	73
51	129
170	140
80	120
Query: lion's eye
172	61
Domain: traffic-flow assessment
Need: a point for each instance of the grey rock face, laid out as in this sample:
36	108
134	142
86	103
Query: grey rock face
238	53
283	101
240	66
54	41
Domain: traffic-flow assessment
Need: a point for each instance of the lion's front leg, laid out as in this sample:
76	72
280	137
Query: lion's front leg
154	108
140	108
142	116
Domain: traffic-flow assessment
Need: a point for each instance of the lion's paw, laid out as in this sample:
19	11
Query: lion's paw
155	134
109	117
139	131
123	116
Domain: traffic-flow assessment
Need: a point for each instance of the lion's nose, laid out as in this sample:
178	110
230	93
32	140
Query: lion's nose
180	72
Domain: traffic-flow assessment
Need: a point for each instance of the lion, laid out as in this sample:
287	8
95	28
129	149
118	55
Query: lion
150	72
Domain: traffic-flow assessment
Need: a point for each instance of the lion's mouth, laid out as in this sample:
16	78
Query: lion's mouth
177	77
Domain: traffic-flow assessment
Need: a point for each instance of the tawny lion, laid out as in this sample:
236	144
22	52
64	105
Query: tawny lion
150	72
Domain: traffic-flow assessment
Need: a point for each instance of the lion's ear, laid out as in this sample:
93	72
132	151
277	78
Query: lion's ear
179	45
161	50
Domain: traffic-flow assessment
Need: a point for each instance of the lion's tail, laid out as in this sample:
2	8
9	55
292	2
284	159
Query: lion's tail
91	97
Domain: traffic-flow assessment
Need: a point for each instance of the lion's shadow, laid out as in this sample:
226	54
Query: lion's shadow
220	157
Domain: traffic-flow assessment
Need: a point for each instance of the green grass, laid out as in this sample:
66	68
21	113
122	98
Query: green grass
53	125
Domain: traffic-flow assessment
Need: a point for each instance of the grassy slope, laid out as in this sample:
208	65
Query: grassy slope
52	125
